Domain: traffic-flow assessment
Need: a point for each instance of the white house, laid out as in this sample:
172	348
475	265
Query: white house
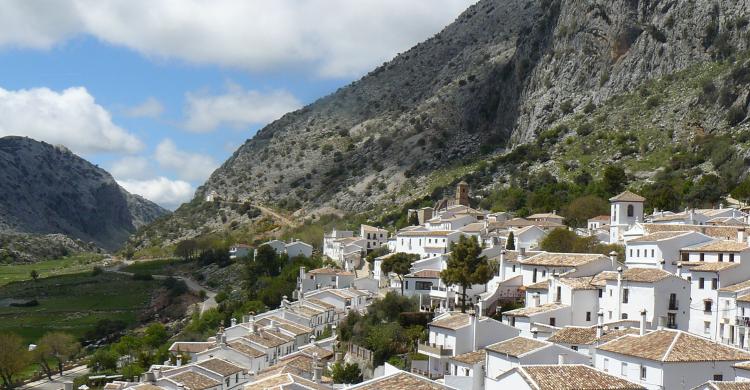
374	236
211	374
323	277
625	210
598	222
556	377
661	249
518	351
668	359
524	319
453	334
425	243
585	339
292	249
735	299
542	266
664	296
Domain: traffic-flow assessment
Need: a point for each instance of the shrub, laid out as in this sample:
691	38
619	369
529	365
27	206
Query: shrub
653	101
142	276
735	115
566	107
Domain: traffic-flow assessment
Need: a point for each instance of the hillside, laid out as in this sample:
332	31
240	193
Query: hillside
47	189
505	73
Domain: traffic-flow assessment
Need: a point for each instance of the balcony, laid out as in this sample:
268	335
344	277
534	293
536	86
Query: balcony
440	292
743	321
434	350
673	304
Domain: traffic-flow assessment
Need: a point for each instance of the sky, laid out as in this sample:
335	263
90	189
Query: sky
161	92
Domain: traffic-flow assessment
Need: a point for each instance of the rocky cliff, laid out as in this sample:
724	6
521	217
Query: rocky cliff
46	189
501	75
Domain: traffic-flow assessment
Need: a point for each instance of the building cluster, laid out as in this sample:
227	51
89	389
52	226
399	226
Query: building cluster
670	311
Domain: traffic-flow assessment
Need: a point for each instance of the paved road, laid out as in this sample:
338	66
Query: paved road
57	381
194	286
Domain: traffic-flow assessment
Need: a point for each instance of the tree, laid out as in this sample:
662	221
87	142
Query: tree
578	212
466	267
510	243
742	191
34	275
614	180
560	240
267	260
155	335
55	346
187	249
346	373
14	357
375	253
399	264
104	359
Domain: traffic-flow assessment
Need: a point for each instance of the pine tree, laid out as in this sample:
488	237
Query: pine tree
466	267
510	243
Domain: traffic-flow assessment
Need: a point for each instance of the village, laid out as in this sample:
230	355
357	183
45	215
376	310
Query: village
672	313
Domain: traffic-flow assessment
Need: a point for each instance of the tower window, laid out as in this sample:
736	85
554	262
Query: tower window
630	210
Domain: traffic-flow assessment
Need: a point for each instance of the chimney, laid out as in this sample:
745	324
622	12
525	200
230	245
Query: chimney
561	359
643	322
535	332
554	212
599	324
178	361
473	318
662	262
502	265
521	253
317	370
613	259
234	322
478	377
741	235
679	270
157	374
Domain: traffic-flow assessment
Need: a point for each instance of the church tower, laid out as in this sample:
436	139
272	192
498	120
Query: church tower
462	193
626	210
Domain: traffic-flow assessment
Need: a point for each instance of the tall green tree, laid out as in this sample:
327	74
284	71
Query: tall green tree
614	180
399	264
56	347
348	373
578	211
14	357
510	243
466	267
187	249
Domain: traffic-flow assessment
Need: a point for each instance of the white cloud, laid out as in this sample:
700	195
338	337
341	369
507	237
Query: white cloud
131	167
150	108
165	192
236	108
334	38
188	166
71	117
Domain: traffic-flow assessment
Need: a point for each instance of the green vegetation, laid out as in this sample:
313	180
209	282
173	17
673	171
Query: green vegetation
156	267
67	265
72	303
348	373
466	267
399	264
565	241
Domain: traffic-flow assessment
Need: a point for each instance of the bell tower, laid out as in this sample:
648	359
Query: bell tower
462	193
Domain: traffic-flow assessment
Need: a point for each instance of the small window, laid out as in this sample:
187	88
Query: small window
552	321
630	210
714	283
631	252
707	305
701	283
702	256
637	253
624	369
609	314
643	372
625	293
624	316
718	377
600	293
721	257
653	253
574	347
605	365
706	327
731	257
588	316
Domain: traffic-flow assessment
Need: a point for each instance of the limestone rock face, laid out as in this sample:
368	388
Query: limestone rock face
46	189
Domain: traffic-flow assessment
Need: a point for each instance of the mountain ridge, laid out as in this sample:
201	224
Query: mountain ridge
48	189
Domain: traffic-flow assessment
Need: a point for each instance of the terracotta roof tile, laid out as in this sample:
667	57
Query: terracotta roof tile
425	273
723	232
562	259
470	357
658	236
517	346
673	346
718	246
719	385
712	267
220	366
284	381
642	275
573	377
191	347
194	380
400	381
245	349
452	321
329	271
587	335
528	311
736	287
627	196
427	233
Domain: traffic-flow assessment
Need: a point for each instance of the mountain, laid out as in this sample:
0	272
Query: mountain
46	189
503	74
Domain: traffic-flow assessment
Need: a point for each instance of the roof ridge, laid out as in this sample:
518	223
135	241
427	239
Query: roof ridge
671	345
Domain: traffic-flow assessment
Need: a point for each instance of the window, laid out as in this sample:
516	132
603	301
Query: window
237	377
631	252
672	301
721	257
227	382
514	268
512	321
672	320
714	283
605	365
544	272
624	316
419	285
718	377
702	256
625	293
610	292
558	298
406	285
609	314
552	321
588	316
707	305
630	210
533	276
731	257
643	372
706	327
701	283
574	347
600	293
624	369
685	256
637	253
652	253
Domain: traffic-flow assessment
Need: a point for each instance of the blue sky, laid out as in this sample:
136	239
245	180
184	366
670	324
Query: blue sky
160	93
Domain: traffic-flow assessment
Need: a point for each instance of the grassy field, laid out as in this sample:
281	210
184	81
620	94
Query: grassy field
155	267
68	265
73	303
